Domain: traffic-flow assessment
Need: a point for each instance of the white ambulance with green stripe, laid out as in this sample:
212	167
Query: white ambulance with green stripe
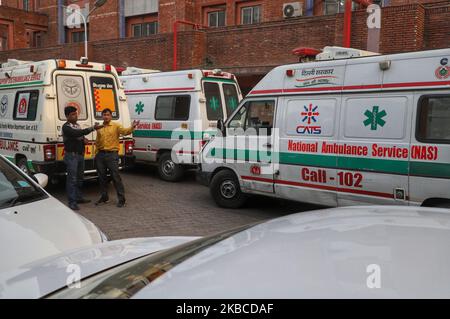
340	131
33	96
173	106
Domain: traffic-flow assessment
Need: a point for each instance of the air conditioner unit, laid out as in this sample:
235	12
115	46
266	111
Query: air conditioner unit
293	9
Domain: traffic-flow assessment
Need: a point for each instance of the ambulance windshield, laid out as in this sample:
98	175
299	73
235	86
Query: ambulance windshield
231	97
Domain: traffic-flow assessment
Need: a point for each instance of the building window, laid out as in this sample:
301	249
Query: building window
78	36
336	6
26	5
251	15
145	29
216	19
34	38
4	37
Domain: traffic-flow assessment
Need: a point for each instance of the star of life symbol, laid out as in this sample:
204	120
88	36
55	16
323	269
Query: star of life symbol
139	108
310	113
374	118
214	103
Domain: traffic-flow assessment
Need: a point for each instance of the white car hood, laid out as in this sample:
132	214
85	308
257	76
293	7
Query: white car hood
39	229
42	277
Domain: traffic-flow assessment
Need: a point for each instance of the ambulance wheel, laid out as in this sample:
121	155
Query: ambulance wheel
226	191
23	165
168	170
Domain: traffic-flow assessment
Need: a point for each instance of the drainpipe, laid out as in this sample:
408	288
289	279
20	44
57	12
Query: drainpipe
309	8
175	38
61	29
122	19
348	19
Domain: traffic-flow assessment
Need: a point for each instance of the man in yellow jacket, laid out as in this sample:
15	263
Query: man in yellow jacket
107	157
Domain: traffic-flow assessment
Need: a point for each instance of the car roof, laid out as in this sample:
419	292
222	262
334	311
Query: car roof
357	252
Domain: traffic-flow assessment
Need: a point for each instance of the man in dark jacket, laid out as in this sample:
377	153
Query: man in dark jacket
73	137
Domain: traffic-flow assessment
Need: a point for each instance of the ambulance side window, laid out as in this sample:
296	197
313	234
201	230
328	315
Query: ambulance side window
255	117
172	108
433	119
213	101
25	105
260	117
238	120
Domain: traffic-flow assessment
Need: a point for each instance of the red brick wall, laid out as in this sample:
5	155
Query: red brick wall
104	22
154	52
255	49
405	33
19	20
437	30
269	43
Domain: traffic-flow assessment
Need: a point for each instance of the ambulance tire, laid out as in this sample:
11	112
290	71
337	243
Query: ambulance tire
23	165
168	170
226	191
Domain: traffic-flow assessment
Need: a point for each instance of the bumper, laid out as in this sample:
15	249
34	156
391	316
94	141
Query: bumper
47	168
202	177
53	168
128	161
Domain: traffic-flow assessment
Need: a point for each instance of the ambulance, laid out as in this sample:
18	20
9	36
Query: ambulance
33	96
349	128
177	105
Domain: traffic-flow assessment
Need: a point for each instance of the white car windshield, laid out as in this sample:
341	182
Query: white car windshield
15	188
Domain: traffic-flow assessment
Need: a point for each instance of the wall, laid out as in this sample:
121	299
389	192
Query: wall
255	49
20	21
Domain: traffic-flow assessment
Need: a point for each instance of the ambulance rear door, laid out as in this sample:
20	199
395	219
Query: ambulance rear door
71	90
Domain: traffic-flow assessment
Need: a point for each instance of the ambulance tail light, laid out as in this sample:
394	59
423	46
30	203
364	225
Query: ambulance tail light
190	76
61	64
129	147
108	67
290	73
49	152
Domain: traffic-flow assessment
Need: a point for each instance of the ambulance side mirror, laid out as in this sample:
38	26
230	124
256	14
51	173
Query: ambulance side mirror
221	127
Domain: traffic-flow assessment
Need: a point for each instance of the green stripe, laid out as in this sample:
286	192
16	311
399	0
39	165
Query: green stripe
240	154
219	80
168	134
430	169
441	170
372	164
21	84
308	159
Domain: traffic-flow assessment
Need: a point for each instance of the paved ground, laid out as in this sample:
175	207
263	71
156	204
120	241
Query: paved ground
158	208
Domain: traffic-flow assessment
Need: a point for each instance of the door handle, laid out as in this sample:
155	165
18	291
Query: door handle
268	145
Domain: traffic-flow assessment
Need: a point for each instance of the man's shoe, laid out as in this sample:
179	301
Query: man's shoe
83	201
102	200
74	207
121	203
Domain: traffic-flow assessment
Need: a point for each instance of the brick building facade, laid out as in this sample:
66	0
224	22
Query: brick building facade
245	37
